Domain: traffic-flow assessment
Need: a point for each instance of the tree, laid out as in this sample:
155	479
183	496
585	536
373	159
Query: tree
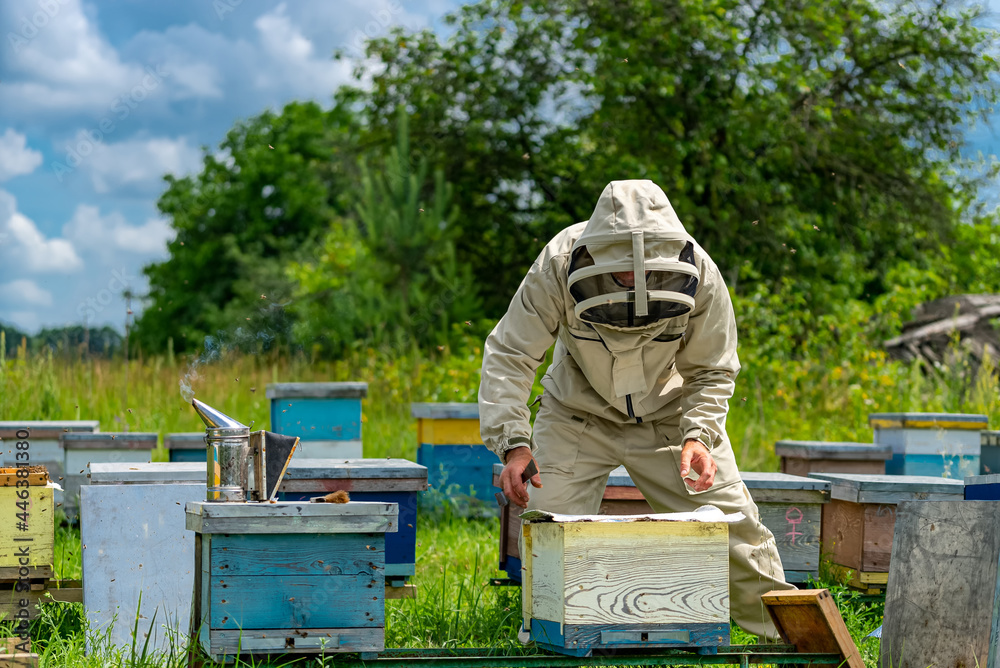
805	139
264	198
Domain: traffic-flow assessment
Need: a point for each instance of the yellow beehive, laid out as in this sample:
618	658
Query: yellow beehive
26	524
601	585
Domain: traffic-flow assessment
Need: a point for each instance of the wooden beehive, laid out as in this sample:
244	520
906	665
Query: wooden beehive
931	444
133	524
626	584
325	416
186	446
805	457
46	449
792	508
289	578
28	534
859	520
450	446
989	452
621	497
381	480
82	450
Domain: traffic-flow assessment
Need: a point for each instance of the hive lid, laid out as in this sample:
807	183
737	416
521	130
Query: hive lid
871	488
989	479
768	480
285	517
188	440
316	390
445	411
47	429
832	450
109	440
145	473
702	514
335	469
972	421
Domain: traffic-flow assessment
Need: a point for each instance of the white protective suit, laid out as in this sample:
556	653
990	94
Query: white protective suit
635	373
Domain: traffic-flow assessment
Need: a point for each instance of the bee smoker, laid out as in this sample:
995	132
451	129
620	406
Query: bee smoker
242	465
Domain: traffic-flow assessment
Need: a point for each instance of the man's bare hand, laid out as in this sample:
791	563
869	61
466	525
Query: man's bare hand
510	478
694	455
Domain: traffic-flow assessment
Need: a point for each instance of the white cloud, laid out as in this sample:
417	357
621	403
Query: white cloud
23	246
24	291
136	164
110	234
15	156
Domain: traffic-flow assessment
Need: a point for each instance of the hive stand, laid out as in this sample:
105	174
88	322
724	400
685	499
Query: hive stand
858	522
931	444
325	416
289	578
805	457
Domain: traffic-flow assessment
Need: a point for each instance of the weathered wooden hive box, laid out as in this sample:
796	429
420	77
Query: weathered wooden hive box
186	446
989	455
930	444
859	520
621	497
449	445
805	457
982	487
30	526
381	480
133	524
83	449
325	416
791	507
45	447
599	585
289	578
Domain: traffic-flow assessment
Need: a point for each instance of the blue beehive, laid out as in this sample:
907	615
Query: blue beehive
279	578
186	446
450	446
943	445
982	487
325	416
387	480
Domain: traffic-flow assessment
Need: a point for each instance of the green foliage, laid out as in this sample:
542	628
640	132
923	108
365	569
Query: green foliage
388	276
261	200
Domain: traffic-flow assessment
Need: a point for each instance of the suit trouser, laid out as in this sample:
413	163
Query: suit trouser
577	451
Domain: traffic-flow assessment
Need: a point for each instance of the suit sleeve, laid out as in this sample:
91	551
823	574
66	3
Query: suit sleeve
513	352
708	362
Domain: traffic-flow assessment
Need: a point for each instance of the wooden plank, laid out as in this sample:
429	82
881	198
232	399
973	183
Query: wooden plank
450	432
40	528
859	579
44	429
810	620
353	469
942	598
796	530
546	571
768	480
291	517
319	486
299	554
644	573
296	641
789	496
445	411
37	476
842	534
109	441
316	390
806	467
145	473
403	591
40	572
295	601
876	547
860	488
526	590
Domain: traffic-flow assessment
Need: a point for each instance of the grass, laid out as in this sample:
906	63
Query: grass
455	558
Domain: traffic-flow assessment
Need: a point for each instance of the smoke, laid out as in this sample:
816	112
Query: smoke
222	347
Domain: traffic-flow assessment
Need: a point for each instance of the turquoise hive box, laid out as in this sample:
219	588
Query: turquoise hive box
289	577
325	416
449	445
945	445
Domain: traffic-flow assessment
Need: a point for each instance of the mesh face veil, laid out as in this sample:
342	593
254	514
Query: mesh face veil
665	281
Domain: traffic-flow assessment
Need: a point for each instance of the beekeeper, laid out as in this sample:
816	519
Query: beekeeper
643	369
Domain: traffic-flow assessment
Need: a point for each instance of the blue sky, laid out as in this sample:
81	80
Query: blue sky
99	100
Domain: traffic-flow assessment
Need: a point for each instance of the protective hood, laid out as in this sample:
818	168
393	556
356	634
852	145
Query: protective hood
633	229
